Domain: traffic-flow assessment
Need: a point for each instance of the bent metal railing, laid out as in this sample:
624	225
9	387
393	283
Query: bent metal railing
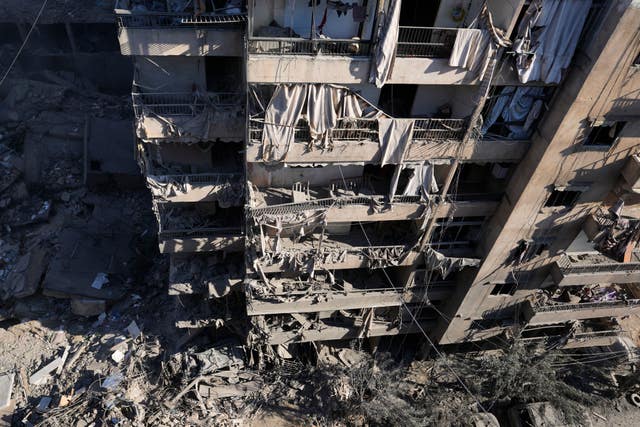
298	46
127	19
585	306
288	208
183	103
425	130
426	42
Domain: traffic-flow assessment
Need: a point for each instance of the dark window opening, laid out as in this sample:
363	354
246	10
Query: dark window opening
419	13
566	198
223	73
397	100
605	134
504	289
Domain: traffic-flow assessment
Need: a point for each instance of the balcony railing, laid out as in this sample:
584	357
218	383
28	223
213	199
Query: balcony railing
297	46
203	178
596	264
183	103
425	130
174	20
425	42
585	306
289	208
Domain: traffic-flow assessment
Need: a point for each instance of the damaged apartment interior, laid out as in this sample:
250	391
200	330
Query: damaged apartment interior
290	190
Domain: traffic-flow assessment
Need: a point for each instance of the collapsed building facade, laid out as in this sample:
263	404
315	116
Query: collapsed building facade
326	170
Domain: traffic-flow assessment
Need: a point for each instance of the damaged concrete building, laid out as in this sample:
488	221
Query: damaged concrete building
342	170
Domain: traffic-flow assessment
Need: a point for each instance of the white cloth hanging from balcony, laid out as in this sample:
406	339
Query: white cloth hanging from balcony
547	38
422	181
386	47
280	119
470	50
435	260
394	135
322	111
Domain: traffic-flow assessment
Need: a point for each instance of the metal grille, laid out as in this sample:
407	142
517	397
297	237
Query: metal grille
425	42
295	46
183	103
586	305
175	20
439	129
567	267
425	130
288	208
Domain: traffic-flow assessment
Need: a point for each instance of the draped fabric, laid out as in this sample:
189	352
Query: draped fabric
422	181
518	107
547	38
394	135
281	117
322	110
386	48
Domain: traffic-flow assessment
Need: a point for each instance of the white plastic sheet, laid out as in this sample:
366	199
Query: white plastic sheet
547	38
281	116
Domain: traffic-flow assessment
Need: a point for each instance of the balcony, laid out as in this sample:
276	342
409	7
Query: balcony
345	290
357	140
422	57
594	268
336	246
225	188
365	206
558	313
179	34
342	324
198	227
189	117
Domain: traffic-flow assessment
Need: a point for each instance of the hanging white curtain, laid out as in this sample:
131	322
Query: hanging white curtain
387	44
280	118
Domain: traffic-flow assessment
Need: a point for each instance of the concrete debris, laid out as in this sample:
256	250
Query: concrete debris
134	330
6	388
100	280
88	307
117	356
43	405
43	375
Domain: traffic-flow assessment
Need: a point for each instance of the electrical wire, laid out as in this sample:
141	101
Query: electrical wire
24	43
415	320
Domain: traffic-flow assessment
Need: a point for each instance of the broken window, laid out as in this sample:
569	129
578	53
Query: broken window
561	197
504	289
604	135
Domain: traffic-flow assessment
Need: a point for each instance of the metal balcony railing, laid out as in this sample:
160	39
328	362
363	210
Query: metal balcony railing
204	178
297	46
174	20
183	103
425	130
585	306
597	266
426	42
289	208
